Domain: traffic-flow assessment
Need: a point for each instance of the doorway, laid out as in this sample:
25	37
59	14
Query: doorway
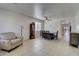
66	29
67	32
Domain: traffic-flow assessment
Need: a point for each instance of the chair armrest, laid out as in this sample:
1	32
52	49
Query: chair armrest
4	41
19	37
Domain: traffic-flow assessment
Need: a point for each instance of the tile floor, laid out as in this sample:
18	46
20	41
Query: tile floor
42	47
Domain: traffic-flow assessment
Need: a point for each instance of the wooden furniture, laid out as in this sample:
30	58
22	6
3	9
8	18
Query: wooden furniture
48	35
56	35
32	30
74	39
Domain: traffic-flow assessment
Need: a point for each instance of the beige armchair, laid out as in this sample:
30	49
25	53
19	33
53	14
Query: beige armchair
9	40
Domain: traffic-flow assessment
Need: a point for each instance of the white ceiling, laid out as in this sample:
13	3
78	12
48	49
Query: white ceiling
45	9
61	9
27	9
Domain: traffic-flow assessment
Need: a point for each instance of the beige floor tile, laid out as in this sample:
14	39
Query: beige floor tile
42	47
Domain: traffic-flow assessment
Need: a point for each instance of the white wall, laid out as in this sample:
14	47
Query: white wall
52	25
38	11
77	22
11	22
55	24
59	11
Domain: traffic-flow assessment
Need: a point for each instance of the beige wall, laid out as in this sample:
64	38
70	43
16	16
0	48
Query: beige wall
11	22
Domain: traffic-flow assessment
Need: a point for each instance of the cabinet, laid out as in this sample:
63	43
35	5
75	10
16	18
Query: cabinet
74	39
32	30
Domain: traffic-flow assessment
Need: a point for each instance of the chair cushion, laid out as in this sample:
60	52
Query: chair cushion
7	36
16	41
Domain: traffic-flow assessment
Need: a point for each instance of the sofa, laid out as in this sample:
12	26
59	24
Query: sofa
9	41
